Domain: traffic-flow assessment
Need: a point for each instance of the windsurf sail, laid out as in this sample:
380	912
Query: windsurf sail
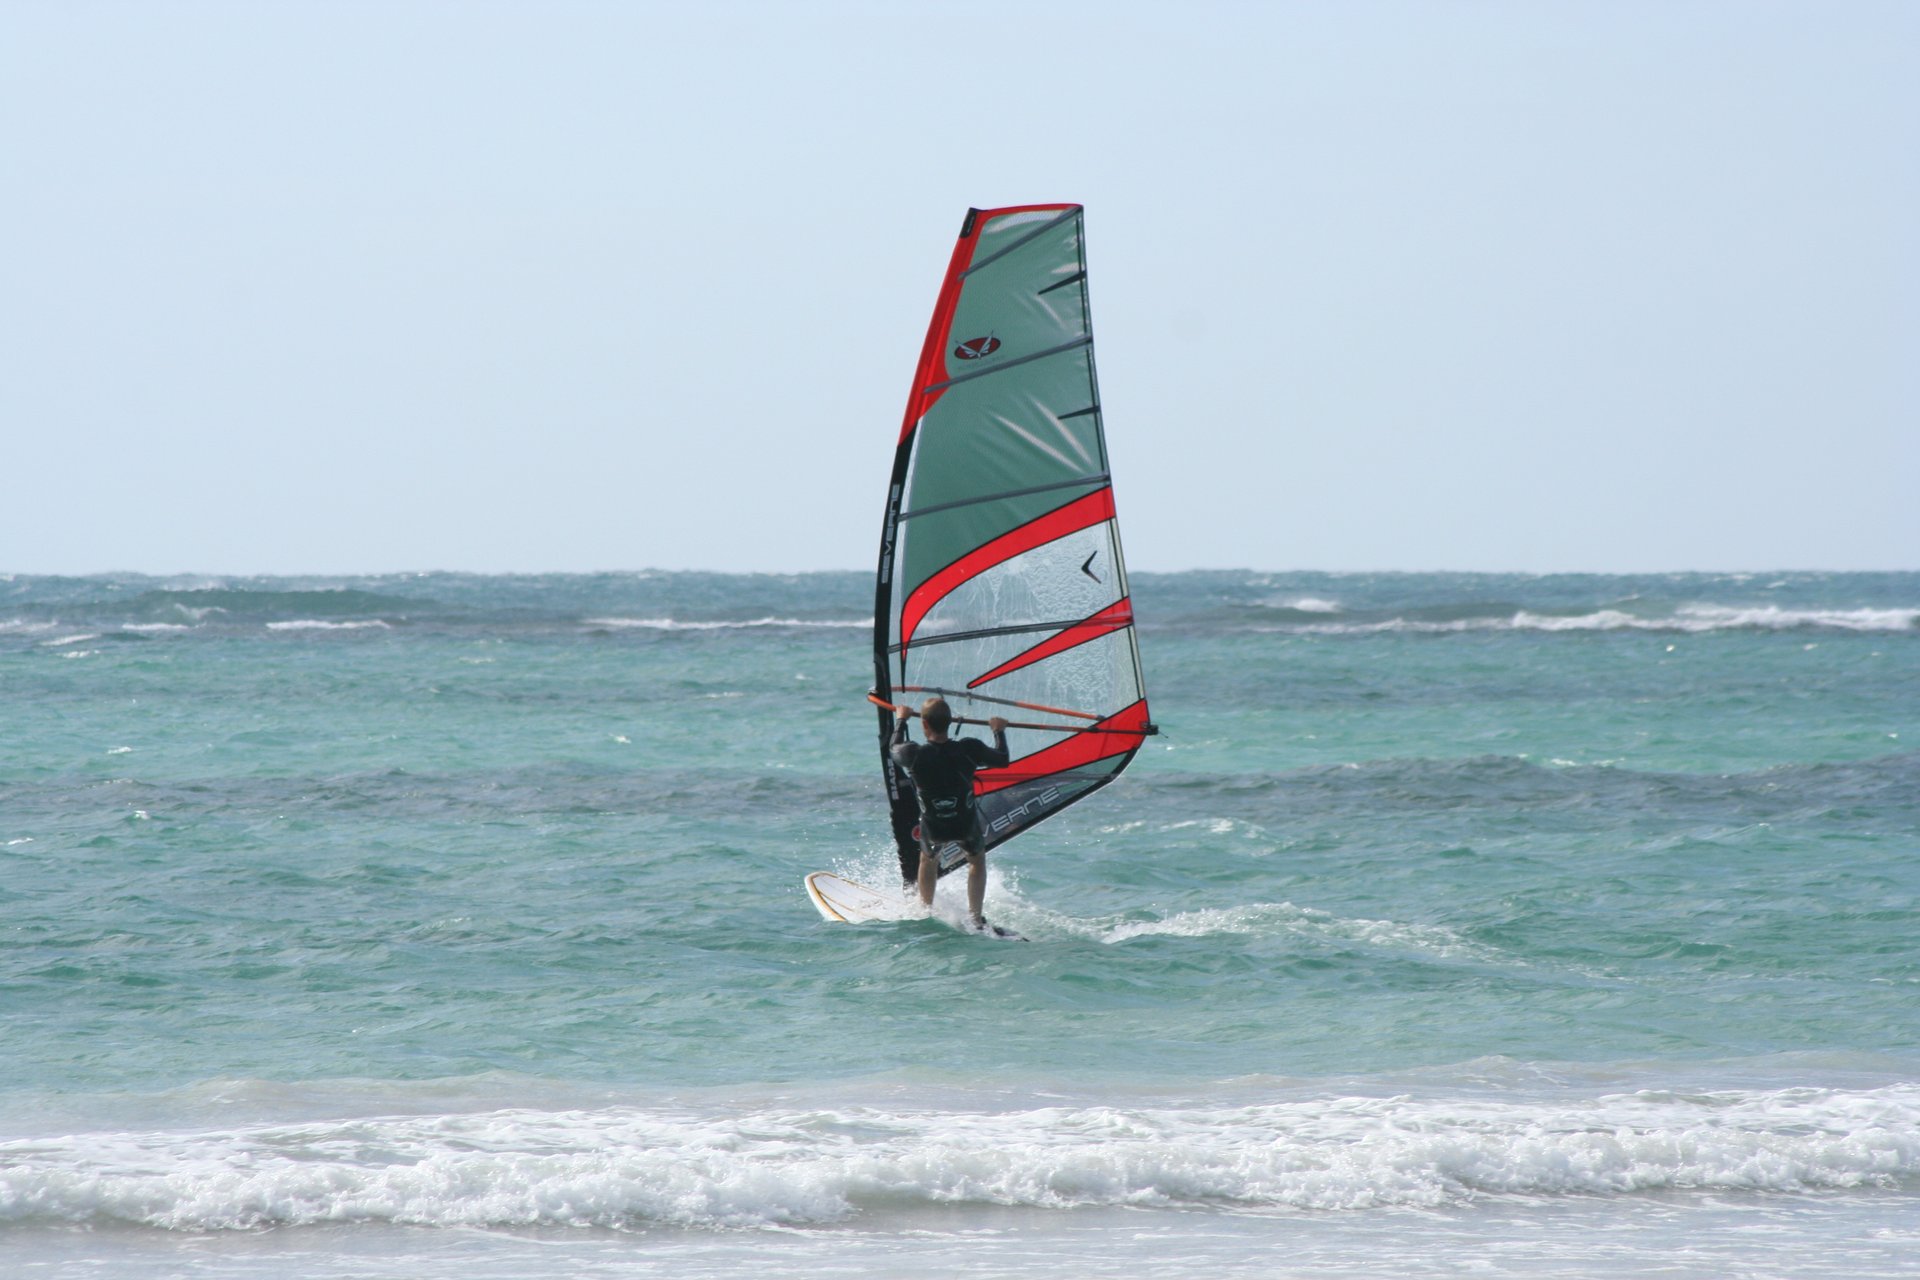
1001	585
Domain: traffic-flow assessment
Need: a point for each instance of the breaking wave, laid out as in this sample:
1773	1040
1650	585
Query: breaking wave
1687	619
629	1167
323	624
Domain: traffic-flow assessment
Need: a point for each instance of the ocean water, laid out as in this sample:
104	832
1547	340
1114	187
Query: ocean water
452	926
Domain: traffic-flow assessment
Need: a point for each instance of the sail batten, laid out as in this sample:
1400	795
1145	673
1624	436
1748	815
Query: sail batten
984	633
998	584
1021	243
1100	478
1006	366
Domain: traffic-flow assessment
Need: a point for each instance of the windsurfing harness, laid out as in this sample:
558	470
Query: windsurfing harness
942	774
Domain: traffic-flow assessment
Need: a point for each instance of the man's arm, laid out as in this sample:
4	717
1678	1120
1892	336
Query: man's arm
995	756
902	750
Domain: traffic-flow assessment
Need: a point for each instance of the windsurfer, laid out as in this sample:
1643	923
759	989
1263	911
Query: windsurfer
942	770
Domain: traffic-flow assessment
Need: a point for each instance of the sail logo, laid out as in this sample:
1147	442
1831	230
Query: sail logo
975	348
1045	799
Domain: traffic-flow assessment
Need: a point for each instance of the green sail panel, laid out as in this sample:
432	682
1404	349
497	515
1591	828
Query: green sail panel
1001	584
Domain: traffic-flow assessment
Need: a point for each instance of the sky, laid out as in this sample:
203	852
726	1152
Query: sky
349	287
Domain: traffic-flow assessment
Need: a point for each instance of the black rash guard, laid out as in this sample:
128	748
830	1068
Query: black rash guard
942	774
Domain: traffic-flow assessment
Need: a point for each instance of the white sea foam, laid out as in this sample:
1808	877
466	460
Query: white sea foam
321	624
770	1166
677	624
1705	617
1600	620
1214	826
155	628
1284	917
1303	604
1708	617
62	641
1693	618
1006	904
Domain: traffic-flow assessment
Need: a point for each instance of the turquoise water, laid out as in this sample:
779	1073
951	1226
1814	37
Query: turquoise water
434	925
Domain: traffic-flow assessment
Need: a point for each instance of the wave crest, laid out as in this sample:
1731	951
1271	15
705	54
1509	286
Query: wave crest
1686	619
623	1167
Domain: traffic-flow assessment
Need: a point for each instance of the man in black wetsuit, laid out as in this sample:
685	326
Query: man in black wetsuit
942	771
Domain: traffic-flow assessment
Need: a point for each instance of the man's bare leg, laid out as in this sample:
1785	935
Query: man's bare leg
929	874
976	887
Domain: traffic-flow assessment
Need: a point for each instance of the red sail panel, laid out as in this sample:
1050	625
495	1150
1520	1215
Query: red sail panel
1117	735
1114	616
1079	514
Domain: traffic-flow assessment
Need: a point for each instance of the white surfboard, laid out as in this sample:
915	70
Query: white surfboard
841	899
850	902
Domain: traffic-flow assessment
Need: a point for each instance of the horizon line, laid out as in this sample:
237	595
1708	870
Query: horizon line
12	575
